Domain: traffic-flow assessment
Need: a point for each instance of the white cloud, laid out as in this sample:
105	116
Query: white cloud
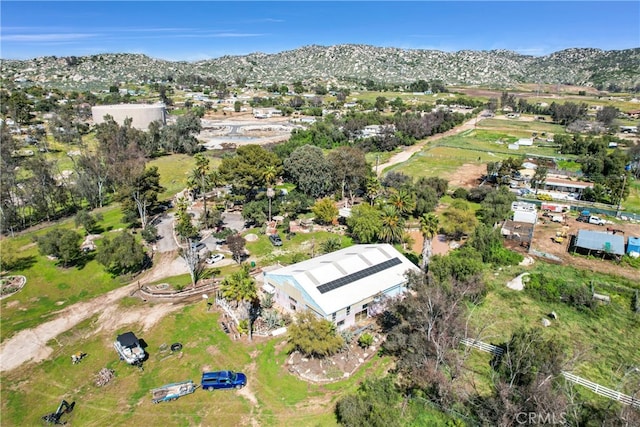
53	37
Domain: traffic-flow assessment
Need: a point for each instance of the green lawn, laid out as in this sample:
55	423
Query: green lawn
50	287
281	398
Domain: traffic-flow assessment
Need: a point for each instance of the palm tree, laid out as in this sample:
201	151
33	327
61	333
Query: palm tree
241	288
392	226
428	228
403	201
199	178
270	174
373	189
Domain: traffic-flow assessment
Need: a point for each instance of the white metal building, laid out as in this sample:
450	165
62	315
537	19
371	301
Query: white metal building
141	114
341	286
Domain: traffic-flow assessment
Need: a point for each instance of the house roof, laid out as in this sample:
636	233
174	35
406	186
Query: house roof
345	277
600	241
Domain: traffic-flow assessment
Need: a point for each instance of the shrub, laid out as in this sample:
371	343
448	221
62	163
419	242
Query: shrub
460	193
365	340
545	197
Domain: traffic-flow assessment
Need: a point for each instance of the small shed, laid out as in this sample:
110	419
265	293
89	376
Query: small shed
524	216
633	245
599	242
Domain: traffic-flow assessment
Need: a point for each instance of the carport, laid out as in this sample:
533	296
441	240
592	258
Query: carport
599	242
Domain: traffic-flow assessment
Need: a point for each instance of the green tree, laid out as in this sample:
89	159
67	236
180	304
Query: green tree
350	168
184	226
310	171
140	195
496	205
245	170
391	225
239	286
86	220
364	223
325	211
539	178
458	220
403	201
376	403
200	179
62	244
428	229
314	336
122	254
331	245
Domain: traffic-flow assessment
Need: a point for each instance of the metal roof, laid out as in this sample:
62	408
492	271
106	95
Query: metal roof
600	241
345	277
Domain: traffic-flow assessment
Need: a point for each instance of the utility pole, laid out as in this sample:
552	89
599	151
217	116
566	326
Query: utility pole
624	181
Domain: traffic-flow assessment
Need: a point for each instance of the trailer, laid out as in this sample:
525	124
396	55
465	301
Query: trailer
554	207
172	391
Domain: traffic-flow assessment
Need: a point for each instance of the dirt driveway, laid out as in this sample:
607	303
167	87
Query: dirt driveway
31	344
410	151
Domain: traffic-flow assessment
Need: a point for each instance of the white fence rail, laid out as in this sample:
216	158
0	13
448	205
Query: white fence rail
594	387
483	346
603	391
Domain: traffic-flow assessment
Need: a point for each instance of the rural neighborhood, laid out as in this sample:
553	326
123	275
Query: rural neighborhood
246	241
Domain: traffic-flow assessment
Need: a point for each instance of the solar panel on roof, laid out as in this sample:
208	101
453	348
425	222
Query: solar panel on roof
337	283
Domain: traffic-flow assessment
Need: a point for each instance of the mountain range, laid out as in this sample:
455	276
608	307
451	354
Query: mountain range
350	62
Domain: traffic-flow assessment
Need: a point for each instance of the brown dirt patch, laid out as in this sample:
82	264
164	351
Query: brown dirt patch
439	243
545	231
467	175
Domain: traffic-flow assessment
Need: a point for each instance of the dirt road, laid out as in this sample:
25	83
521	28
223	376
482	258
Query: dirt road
31	344
410	151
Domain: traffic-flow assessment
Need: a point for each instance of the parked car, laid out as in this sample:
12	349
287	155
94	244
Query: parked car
223	379
198	246
596	220
214	258
275	240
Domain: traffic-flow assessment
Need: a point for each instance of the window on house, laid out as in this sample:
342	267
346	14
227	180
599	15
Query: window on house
333	317
364	306
348	310
341	323
361	315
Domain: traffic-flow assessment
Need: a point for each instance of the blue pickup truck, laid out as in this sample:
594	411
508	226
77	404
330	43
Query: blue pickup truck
172	391
223	379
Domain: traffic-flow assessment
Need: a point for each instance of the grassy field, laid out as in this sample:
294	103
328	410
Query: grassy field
524	127
50	287
602	341
442	161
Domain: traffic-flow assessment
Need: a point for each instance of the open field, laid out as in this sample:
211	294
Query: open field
602	341
272	396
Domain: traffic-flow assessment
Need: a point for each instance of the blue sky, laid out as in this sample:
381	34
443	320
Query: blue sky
209	29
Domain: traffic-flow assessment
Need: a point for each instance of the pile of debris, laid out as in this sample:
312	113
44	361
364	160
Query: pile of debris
104	376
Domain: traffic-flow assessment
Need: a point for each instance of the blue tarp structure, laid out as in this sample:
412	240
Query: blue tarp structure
633	245
600	241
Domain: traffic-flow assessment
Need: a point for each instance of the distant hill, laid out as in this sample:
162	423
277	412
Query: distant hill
587	66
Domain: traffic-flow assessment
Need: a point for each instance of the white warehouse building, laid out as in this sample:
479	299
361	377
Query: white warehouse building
141	114
345	286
